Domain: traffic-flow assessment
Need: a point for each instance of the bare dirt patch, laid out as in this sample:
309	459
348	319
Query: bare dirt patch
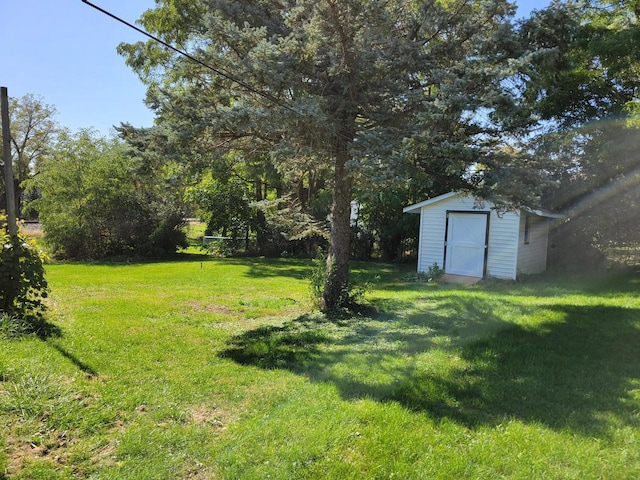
211	308
216	417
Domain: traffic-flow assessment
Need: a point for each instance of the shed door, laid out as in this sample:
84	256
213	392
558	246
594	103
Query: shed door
466	243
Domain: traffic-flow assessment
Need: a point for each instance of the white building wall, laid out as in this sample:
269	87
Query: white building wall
503	236
433	221
503	245
532	256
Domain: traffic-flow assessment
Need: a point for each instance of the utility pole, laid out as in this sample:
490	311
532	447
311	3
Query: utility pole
8	166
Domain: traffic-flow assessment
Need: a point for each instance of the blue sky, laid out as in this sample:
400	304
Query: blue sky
65	52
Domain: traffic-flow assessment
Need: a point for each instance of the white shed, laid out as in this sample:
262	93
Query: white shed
466	236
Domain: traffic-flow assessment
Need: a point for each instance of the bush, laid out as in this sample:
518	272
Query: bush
165	239
350	297
96	201
23	286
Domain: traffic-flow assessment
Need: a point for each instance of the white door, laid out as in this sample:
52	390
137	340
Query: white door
466	244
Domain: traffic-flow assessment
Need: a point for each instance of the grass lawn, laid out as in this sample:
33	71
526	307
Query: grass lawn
215	369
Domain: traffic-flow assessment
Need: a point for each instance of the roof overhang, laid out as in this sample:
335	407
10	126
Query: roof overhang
544	213
417	208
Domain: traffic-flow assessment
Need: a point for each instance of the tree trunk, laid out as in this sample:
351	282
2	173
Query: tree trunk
336	281
261	222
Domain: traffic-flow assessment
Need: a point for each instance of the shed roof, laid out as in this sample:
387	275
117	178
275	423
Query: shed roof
416	208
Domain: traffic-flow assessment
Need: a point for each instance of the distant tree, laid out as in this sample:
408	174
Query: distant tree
586	60
582	88
223	204
96	202
33	132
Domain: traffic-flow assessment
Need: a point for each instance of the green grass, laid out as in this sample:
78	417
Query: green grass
207	368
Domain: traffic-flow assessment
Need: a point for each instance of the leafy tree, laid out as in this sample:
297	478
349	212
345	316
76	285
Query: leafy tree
582	86
585	66
33	131
224	204
94	203
356	88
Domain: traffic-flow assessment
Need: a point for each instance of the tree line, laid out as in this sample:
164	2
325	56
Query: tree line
311	124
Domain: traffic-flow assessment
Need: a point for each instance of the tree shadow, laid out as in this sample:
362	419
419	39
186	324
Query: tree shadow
274	267
576	373
38	325
85	368
45	331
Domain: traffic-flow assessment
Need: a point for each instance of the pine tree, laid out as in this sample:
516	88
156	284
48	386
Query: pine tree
361	88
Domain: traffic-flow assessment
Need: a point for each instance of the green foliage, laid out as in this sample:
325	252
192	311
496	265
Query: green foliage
380	215
97	201
434	273
23	286
316	278
167	236
580	90
602	201
332	95
290	230
351	296
222	204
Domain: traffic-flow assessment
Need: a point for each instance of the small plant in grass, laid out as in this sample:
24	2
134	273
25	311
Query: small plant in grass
23	286
13	326
433	274
351	295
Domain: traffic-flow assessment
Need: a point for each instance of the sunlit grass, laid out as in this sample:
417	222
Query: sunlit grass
216	368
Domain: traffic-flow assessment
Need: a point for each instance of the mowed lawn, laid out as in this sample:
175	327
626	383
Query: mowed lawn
218	369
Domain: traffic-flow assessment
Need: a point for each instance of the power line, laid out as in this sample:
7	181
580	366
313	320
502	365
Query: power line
217	71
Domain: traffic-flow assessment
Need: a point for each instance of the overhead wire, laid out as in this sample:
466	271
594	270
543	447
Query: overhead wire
217	71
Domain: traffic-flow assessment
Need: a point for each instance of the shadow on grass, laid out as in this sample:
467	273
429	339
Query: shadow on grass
575	372
85	368
45	331
38	325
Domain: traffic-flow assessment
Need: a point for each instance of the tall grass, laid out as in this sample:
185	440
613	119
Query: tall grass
203	368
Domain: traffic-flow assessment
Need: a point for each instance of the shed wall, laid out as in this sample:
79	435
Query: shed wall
503	236
532	256
503	245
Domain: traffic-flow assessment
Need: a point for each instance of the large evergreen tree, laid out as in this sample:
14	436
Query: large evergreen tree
361	88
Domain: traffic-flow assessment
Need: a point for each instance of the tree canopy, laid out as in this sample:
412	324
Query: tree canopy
98	199
374	93
584	89
33	132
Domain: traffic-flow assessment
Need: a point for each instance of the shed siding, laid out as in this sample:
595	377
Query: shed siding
503	236
503	245
433	225
532	256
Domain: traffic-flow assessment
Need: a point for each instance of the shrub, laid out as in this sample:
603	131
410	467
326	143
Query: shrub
97	201
434	273
351	296
23	286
